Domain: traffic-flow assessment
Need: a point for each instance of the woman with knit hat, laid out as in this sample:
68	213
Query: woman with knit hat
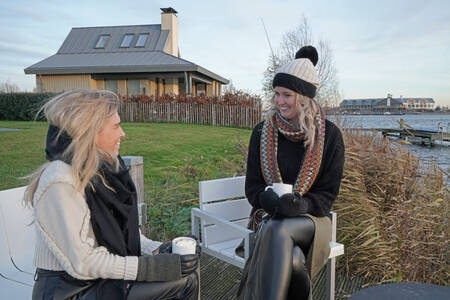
296	145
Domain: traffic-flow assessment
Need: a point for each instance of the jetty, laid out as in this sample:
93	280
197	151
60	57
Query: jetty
427	136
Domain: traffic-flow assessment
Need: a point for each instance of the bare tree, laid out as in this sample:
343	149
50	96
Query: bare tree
292	41
8	88
229	88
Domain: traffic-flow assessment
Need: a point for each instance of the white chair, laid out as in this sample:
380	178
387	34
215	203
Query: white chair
221	223
16	246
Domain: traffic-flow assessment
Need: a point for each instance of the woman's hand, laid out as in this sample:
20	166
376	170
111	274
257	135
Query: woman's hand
189	264
269	201
164	248
292	205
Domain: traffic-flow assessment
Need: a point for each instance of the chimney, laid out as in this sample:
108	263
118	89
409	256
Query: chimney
169	21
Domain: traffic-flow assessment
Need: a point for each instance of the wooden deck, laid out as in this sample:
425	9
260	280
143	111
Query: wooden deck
220	280
428	137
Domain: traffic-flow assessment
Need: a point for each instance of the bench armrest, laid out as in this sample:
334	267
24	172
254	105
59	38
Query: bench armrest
245	233
196	212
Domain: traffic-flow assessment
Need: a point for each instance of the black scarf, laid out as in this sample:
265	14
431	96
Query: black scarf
114	215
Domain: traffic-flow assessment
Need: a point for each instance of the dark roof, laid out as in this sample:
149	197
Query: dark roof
78	55
169	10
84	39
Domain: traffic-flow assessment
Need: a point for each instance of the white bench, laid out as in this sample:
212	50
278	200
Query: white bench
221	223
16	246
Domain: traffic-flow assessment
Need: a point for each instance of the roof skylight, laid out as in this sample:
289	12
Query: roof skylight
127	39
142	40
102	41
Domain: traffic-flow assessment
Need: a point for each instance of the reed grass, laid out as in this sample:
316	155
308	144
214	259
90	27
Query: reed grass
392	213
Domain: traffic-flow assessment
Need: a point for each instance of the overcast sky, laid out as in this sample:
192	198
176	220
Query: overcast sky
380	47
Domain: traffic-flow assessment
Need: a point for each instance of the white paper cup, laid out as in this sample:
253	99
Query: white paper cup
281	188
184	245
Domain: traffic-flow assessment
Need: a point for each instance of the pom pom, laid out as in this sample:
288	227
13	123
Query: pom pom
308	52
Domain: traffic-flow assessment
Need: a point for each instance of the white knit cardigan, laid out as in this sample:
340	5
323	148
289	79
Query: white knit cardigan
65	239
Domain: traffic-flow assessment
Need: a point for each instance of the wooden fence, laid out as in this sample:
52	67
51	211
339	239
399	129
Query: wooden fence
192	113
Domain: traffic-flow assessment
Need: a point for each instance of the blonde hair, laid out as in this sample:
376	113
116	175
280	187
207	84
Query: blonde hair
307	111
81	114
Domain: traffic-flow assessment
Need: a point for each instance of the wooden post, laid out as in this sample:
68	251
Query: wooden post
136	167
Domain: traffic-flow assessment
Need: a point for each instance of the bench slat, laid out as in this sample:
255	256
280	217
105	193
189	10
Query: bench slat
220	189
229	210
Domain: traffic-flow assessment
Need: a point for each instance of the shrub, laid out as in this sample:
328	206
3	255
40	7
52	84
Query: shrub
21	106
392	213
234	98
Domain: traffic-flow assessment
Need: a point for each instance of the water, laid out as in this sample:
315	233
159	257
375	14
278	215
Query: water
439	153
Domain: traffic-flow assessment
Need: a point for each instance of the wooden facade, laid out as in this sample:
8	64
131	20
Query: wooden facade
123	87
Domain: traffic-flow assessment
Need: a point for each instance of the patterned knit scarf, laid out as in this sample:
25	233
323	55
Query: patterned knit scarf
269	148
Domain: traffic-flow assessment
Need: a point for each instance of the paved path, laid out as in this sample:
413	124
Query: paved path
9	129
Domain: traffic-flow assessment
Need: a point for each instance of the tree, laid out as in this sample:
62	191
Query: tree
292	41
229	88
8	88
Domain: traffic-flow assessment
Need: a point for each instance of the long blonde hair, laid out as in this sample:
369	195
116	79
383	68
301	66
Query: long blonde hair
307	110
81	114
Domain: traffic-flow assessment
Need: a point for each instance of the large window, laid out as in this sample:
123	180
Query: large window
111	85
102	41
201	88
127	39
142	40
134	87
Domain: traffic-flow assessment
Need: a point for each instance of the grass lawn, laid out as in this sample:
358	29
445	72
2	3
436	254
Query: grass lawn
176	157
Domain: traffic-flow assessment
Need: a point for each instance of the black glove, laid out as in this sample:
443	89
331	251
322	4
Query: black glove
189	264
161	267
269	201
292	205
165	247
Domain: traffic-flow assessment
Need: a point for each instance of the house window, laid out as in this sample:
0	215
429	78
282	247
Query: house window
142	40
126	42
134	87
201	88
102	41
111	85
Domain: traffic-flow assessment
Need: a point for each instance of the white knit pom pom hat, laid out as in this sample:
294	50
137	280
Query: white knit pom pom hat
299	74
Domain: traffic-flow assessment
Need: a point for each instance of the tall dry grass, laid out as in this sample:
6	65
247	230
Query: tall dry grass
393	214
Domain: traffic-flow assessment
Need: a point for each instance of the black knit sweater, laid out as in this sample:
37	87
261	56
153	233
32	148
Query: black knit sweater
323	192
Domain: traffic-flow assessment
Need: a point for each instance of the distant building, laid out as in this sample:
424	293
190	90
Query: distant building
388	104
128	60
419	103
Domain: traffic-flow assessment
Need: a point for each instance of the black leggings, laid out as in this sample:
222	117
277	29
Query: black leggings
185	288
282	245
50	285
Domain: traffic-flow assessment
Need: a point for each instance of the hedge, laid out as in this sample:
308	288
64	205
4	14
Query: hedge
22	106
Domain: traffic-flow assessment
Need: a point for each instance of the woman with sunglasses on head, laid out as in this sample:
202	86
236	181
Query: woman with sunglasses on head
88	243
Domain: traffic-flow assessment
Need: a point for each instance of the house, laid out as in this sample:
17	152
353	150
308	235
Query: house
419	103
388	104
128	60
